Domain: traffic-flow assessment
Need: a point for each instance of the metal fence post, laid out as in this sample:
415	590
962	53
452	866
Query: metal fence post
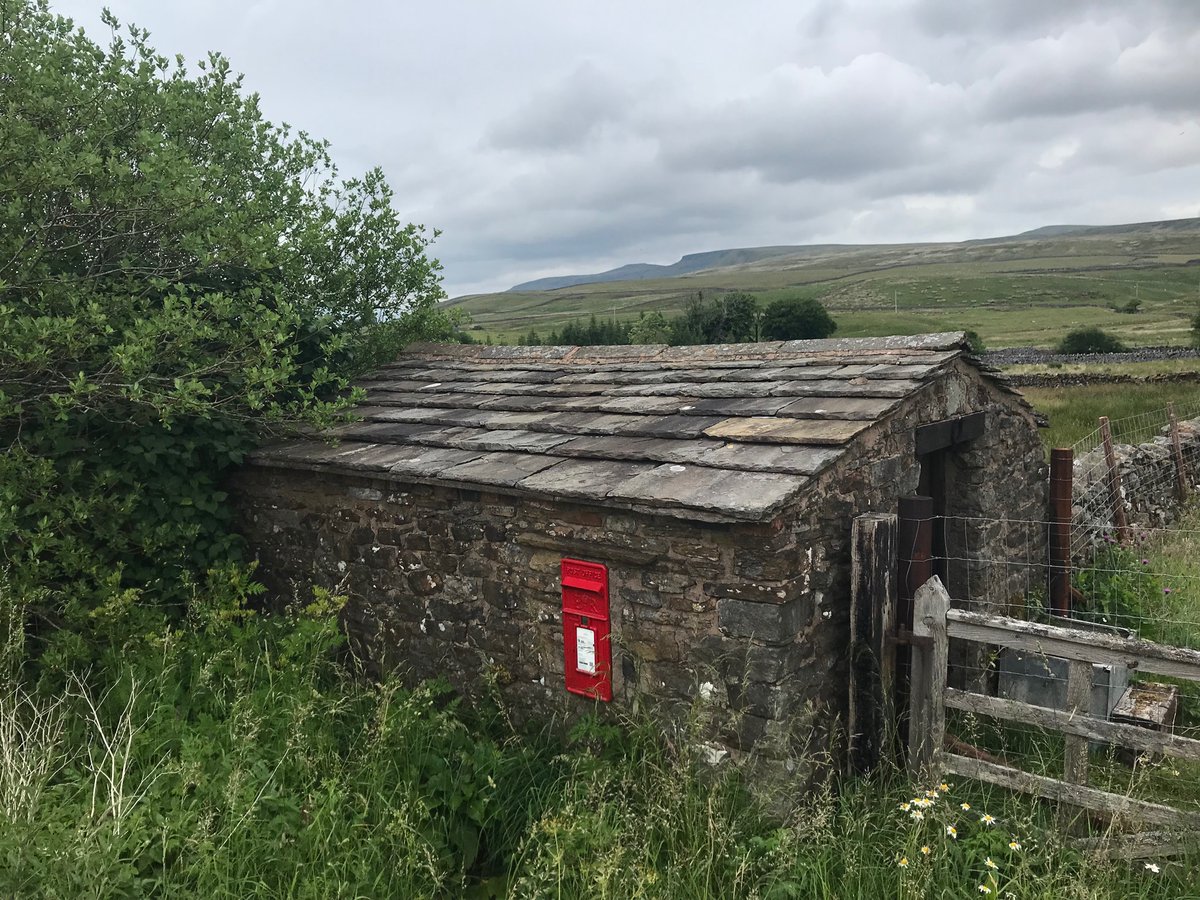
1061	475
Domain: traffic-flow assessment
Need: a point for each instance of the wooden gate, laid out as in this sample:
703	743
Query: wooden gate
936	623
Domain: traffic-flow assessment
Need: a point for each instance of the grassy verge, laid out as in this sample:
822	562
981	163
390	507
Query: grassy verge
237	758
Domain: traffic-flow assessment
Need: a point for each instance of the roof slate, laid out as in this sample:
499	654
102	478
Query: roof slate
731	431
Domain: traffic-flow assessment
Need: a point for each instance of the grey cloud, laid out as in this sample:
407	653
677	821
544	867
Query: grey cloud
544	137
564	117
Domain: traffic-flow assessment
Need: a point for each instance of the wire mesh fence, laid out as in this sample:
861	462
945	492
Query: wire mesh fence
1151	461
1145	585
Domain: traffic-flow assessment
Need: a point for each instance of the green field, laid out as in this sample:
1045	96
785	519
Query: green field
1014	291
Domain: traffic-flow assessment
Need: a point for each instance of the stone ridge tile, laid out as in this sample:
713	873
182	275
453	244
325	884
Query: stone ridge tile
586	479
866	409
504	469
705	352
791	459
742	494
946	340
623	352
777	430
911	371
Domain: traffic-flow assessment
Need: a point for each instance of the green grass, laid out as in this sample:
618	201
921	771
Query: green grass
236	758
1074	410
1015	292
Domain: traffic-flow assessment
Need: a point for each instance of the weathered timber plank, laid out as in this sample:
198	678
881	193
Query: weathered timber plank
1081	725
1075	794
927	712
872	656
1070	643
1079	692
776	430
1141	845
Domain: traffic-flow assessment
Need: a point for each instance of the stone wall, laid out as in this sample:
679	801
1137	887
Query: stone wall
746	623
1148	481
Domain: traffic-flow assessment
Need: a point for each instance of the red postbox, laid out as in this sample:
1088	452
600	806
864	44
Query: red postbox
586	645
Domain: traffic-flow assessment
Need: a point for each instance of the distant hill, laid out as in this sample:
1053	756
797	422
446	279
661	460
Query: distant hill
693	262
719	259
1140	281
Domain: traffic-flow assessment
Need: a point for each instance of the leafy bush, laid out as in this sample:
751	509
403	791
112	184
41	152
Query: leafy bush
796	319
1090	340
178	278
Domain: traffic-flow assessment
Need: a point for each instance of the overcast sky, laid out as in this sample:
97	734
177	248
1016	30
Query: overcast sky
555	137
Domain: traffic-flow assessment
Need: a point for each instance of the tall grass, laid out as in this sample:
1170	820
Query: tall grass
1074	411
241	757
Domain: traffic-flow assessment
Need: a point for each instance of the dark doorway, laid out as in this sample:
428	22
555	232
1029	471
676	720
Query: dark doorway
938	445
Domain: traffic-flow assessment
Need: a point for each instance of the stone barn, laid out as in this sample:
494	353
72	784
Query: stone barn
702	497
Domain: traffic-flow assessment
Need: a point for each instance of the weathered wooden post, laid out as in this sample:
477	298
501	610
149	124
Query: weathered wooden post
871	720
1062	466
931	645
1115	495
1079	700
915	567
1181	474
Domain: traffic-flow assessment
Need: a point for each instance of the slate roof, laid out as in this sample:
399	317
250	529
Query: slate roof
731	431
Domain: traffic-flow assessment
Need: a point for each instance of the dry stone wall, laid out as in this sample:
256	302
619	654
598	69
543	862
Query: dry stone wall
1149	483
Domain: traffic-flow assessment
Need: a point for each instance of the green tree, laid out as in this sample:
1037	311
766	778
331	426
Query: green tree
798	318
650	328
178	278
1090	340
1196	330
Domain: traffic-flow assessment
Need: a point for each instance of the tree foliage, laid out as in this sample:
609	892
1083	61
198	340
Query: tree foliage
1090	340
796	318
178	277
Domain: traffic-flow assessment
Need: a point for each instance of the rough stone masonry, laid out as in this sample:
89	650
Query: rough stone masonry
716	484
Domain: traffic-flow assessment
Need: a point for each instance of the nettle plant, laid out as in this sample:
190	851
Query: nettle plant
1119	586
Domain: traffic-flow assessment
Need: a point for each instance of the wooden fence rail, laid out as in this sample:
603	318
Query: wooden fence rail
935	623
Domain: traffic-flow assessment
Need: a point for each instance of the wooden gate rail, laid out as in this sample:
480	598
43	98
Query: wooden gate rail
935	623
